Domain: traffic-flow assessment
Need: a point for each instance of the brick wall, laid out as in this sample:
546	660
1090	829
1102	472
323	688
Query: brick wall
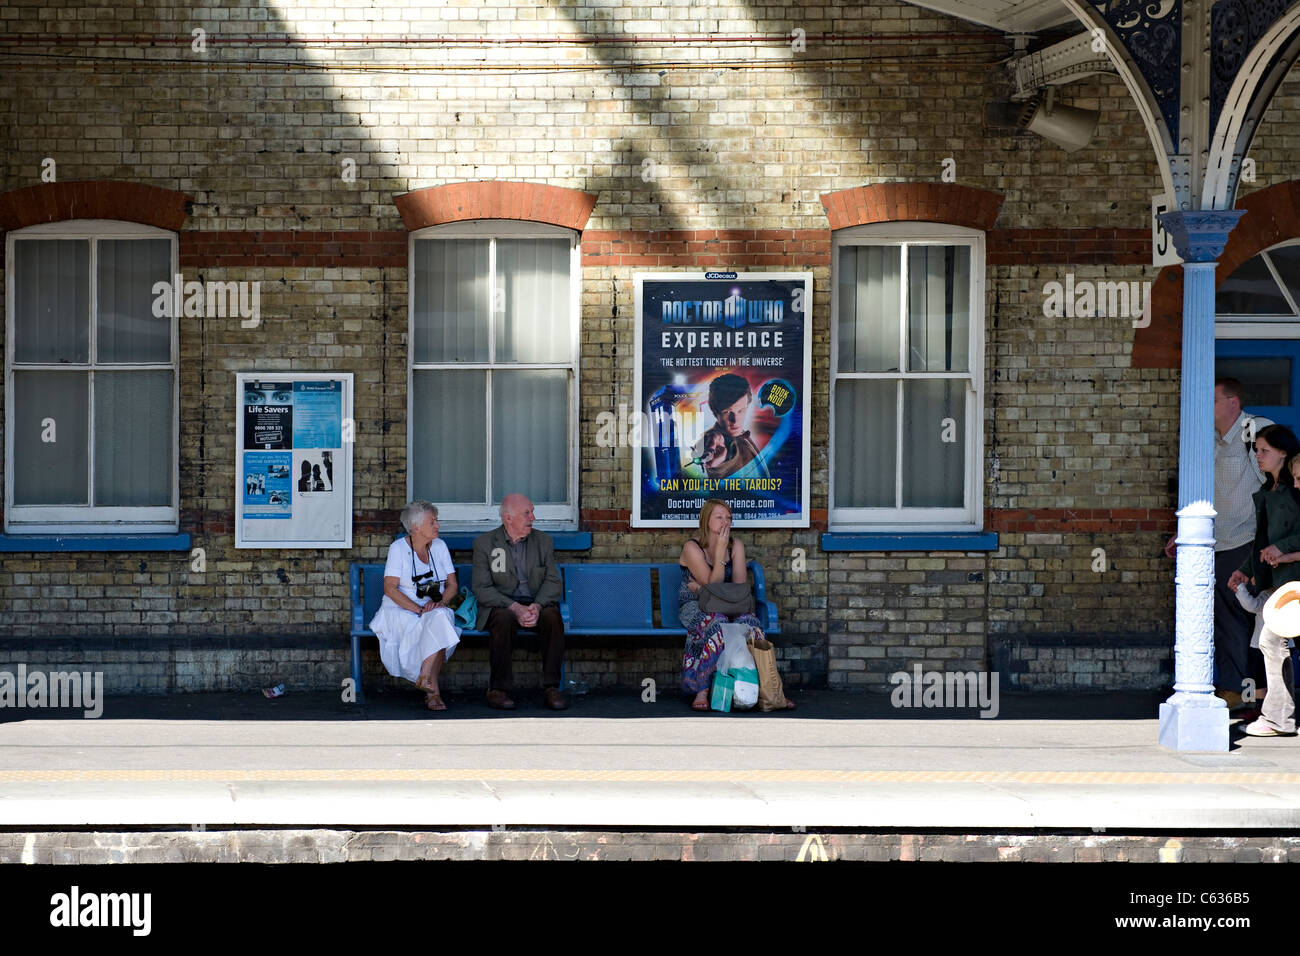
739	156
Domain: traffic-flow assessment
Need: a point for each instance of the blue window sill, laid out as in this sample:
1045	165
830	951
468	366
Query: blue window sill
926	541
94	542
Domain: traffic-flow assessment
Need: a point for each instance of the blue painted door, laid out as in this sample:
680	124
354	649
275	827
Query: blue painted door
1270	371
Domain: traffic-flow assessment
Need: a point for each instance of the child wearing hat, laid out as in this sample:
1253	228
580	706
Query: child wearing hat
1254	604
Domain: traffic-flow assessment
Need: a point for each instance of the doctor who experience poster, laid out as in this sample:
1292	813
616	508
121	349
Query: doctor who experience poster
723	367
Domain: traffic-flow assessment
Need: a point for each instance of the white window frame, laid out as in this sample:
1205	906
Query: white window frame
899	519
89	519
1230	325
467	516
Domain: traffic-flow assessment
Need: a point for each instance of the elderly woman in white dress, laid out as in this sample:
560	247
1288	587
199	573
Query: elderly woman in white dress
415	626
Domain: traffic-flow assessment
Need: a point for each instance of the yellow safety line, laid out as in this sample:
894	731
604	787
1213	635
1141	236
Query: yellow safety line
1065	777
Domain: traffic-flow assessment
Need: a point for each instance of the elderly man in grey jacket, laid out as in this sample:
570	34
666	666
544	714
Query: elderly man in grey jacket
517	584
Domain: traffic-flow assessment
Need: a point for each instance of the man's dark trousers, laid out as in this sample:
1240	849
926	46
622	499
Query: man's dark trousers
502	626
1233	624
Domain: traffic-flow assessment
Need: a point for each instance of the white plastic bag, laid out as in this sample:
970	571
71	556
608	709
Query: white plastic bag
738	664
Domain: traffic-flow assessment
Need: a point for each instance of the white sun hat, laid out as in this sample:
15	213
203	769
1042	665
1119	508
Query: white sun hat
1282	611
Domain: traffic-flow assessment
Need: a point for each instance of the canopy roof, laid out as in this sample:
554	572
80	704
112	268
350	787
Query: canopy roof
1011	16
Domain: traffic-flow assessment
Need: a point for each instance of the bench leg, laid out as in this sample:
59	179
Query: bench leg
356	669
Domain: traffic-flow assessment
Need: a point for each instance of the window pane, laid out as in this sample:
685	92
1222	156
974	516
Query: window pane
938	308
50	425
1251	290
530	435
1287	262
449	436
52	300
133	439
865	443
127	330
934	443
1266	381
535	324
450	301
869	303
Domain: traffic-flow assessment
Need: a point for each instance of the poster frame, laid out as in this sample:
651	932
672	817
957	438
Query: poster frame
344	542
801	520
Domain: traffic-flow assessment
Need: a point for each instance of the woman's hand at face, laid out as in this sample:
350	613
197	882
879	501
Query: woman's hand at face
722	546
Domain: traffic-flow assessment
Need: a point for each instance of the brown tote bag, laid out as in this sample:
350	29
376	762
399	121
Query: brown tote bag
771	693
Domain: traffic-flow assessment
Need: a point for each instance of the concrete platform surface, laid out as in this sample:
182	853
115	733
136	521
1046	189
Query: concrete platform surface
1054	762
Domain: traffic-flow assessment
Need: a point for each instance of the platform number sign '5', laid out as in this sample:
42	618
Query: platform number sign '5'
1162	244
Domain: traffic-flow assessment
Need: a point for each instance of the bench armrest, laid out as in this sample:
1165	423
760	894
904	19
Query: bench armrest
354	594
764	610
755	571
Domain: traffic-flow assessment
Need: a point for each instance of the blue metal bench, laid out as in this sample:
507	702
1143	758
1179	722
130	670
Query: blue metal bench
605	600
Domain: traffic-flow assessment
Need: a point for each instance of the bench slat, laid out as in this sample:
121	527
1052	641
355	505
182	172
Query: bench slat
670	582
610	596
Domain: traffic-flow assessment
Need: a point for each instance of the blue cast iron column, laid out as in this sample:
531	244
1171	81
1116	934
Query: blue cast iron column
1193	718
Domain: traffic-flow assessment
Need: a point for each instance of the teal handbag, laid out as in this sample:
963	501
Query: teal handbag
467	613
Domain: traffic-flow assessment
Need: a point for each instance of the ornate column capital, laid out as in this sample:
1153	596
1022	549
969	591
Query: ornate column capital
1200	234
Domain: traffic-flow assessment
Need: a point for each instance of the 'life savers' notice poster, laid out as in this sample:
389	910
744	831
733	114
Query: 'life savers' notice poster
293	460
722	371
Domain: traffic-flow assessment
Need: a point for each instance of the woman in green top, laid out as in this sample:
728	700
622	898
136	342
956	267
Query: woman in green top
1277	532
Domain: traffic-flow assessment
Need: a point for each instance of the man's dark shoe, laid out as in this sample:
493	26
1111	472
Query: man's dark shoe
500	700
1232	699
555	700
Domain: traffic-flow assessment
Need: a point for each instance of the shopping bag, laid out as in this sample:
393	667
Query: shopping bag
738	664
722	692
467	613
771	693
745	691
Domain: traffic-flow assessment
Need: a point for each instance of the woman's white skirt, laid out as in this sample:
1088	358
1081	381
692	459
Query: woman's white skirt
406	639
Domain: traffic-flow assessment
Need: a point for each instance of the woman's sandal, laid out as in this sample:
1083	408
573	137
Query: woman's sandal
698	704
434	701
422	682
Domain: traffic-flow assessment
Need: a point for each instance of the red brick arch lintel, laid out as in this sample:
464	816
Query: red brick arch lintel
102	199
1272	216
530	202
949	203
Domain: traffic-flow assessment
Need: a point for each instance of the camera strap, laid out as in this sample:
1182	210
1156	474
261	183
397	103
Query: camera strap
432	570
